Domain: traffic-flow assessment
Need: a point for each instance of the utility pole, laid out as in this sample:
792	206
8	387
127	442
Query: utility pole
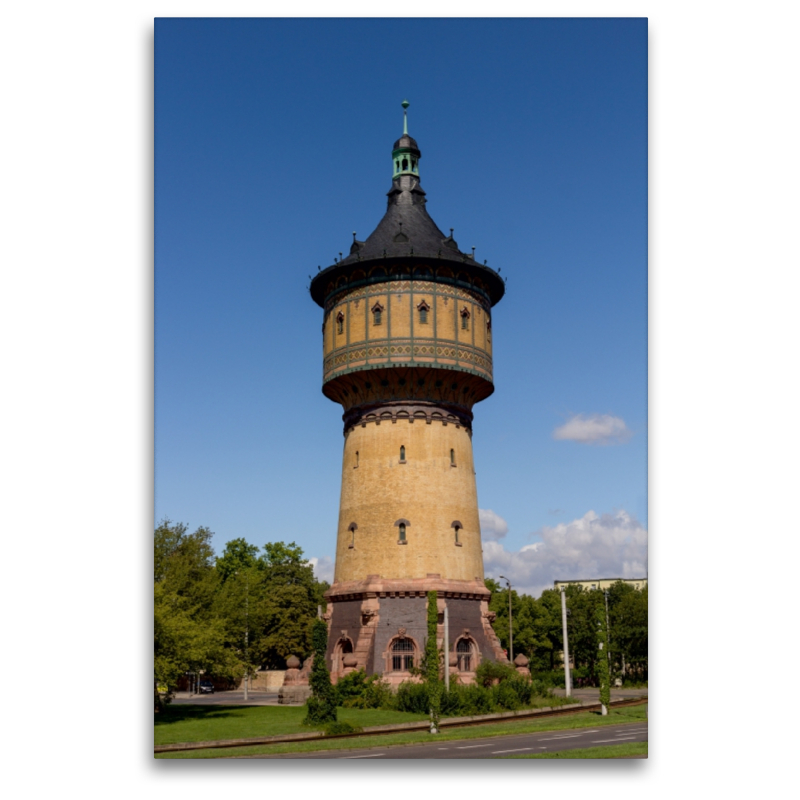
608	634
567	679
246	633
510	628
446	650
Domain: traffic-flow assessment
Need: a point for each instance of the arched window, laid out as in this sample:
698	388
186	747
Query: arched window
344	647
356	464
464	655
402	452
402	655
457	526
352	527
452	457
464	319
377	314
488	327
405	164
401	526
340	323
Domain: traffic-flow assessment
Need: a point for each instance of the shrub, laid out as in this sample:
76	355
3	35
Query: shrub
338	728
466	701
505	697
356	690
412	697
490	671
350	686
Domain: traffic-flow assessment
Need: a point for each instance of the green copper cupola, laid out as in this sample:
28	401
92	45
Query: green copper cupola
405	154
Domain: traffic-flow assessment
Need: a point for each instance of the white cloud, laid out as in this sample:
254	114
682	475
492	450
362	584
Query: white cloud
610	546
493	526
323	568
594	429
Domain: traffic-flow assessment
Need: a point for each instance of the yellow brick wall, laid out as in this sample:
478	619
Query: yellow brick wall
426	490
400	321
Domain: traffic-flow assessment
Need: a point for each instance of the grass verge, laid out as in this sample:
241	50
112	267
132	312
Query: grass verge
213	723
612	751
580	720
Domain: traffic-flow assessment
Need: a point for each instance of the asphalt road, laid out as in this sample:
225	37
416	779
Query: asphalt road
495	747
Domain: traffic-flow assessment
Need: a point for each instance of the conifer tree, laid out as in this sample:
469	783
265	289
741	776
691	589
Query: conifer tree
322	703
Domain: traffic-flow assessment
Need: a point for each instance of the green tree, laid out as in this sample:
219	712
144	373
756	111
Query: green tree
628	622
238	555
322	703
273	597
188	635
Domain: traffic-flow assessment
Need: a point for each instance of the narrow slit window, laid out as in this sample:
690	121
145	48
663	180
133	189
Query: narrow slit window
402	452
340	323
464	320
356	464
424	308
377	314
402	529
457	529
452	458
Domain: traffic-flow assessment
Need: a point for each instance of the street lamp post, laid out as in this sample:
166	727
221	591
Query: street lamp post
608	634
510	628
567	678
246	633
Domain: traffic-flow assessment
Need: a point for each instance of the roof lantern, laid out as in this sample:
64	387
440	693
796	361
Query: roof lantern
405	154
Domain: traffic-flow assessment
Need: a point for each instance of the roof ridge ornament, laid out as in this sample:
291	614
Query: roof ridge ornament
405	105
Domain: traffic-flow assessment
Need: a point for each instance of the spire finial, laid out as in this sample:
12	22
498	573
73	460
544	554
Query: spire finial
405	105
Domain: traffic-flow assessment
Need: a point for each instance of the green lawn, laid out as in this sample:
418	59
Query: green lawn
579	720
612	751
212	723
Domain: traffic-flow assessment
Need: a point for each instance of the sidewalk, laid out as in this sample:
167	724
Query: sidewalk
234	697
593	694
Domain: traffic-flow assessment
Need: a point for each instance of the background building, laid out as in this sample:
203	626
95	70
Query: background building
601	583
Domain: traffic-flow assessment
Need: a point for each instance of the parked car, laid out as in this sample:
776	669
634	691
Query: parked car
206	687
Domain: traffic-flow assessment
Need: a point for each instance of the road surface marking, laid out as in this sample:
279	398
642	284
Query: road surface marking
599	741
374	755
517	750
554	738
468	746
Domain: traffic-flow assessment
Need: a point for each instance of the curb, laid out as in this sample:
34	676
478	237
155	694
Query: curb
403	727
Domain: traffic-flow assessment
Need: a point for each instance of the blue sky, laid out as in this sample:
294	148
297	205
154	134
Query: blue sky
272	144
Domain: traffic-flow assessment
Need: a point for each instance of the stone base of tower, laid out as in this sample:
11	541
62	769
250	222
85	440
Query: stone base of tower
380	626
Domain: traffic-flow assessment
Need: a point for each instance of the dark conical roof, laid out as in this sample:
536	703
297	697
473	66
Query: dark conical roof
407	233
406	226
406	141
